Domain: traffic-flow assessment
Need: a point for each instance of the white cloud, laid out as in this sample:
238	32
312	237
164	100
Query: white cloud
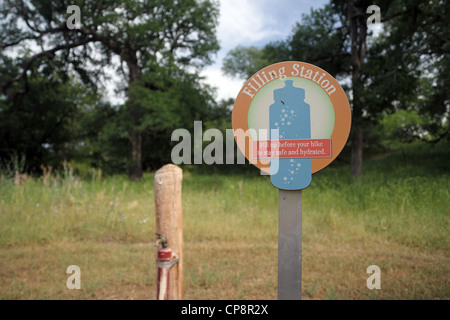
242	23
227	87
251	22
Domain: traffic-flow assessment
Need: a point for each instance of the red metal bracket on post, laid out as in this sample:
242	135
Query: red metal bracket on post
164	262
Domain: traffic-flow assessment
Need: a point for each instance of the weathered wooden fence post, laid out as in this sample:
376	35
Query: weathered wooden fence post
169	222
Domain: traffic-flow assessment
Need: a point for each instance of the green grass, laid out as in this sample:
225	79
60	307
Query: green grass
396	216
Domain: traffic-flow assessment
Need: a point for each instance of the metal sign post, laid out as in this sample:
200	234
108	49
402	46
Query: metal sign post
307	117
289	244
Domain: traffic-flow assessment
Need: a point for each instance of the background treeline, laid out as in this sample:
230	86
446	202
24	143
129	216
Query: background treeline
53	106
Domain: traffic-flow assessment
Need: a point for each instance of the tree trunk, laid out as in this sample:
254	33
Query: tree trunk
358	33
357	152
135	136
135	166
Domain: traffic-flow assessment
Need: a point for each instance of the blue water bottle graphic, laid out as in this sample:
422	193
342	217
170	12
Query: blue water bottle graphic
291	115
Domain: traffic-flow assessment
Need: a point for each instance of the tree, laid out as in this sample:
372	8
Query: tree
383	74
357	29
319	38
423	35
144	35
41	123
243	61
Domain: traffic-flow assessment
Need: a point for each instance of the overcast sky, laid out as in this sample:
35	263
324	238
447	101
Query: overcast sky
252	22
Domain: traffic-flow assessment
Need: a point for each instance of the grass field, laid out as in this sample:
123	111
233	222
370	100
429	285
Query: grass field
396	216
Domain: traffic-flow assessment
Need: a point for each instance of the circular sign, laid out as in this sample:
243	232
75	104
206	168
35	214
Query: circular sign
307	107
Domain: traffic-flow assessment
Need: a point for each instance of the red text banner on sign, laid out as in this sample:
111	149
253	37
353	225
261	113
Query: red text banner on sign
297	148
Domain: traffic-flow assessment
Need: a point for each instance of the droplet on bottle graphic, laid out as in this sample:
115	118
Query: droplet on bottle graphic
285	178
289	123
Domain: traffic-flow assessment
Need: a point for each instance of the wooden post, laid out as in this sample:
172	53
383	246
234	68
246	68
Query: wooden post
169	221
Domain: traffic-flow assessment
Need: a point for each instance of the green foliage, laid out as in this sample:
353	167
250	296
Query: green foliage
14	165
401	127
423	33
42	124
406	67
321	38
183	101
104	138
243	62
156	42
106	128
318	38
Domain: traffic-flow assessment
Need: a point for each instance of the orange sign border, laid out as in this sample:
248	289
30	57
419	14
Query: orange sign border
342	111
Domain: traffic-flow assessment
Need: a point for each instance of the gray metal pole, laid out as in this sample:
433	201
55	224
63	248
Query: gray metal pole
289	244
